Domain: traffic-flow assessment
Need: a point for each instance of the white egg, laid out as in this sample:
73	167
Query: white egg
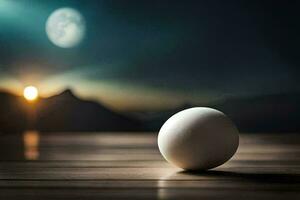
198	138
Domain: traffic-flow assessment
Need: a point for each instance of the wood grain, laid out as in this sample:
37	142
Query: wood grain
129	166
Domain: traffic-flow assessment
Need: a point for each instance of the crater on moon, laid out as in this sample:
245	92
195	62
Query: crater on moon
65	27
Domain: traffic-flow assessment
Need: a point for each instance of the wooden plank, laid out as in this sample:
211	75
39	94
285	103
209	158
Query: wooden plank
238	184
118	166
142	173
145	194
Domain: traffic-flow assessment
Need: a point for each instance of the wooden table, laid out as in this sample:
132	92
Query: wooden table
129	166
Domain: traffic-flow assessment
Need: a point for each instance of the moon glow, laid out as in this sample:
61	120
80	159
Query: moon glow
65	27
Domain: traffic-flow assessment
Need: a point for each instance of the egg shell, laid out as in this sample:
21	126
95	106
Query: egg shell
198	138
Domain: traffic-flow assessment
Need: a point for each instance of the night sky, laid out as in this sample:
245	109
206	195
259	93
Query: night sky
141	55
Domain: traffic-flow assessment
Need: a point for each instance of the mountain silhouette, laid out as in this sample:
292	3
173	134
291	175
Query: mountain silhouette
12	113
67	112
265	113
62	112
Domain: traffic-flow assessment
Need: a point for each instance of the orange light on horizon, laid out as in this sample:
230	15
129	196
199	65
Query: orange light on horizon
30	93
31	141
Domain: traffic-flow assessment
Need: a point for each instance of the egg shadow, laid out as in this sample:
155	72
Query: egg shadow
247	177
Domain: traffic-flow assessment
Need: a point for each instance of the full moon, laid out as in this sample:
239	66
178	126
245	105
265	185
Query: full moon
30	93
65	27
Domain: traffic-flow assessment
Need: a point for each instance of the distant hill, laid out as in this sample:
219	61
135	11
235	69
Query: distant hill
267	113
62	112
67	112
12	113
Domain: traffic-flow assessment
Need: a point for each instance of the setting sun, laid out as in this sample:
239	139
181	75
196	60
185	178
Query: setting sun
30	93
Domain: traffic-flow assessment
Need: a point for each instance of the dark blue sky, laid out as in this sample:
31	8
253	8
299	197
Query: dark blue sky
154	54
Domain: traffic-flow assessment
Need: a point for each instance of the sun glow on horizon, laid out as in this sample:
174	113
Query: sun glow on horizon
30	93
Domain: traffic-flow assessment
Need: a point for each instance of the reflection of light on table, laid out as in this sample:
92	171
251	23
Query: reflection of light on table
165	183
31	145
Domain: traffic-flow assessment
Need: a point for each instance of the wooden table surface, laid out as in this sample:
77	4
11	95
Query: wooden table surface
129	166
